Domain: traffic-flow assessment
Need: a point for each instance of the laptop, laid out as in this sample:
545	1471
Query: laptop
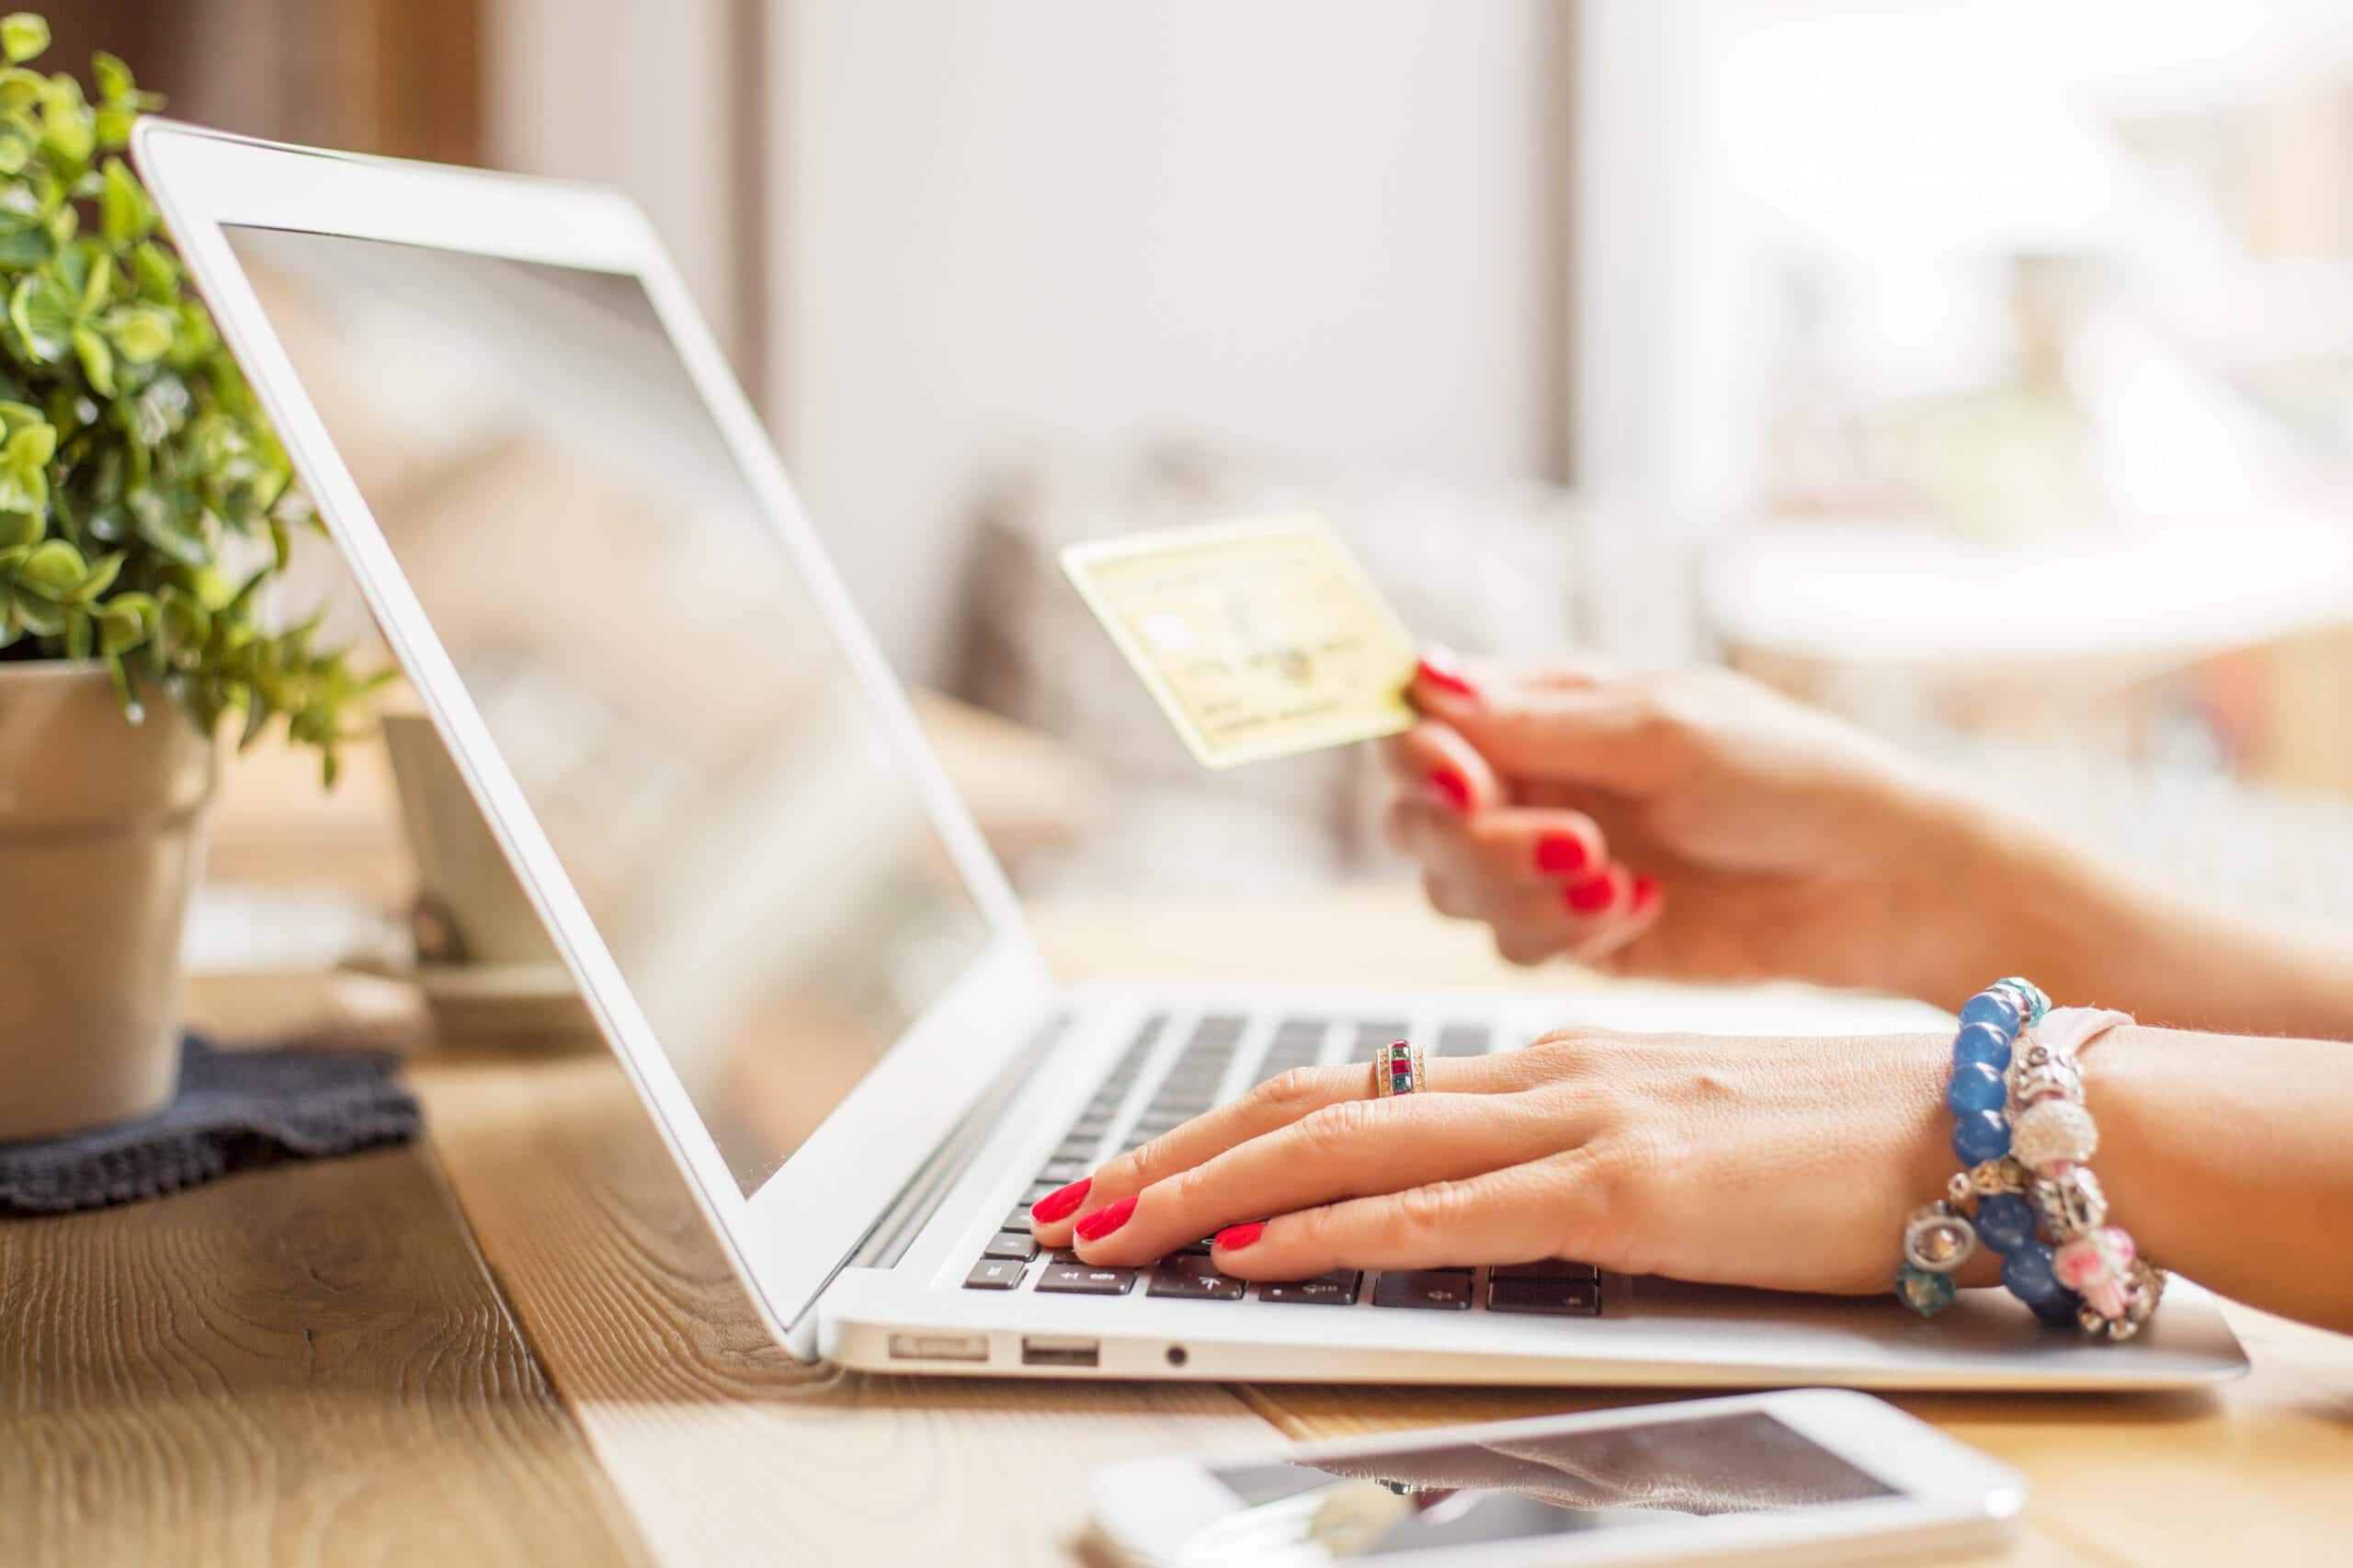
573	532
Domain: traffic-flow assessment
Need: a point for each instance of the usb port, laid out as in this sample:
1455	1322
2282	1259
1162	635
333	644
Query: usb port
939	1348
1052	1350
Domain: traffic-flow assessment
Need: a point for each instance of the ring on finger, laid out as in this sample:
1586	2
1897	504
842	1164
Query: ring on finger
1397	1069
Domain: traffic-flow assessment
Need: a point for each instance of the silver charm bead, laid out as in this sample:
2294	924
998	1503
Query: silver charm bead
1936	1239
2055	1132
2147	1287
2069	1205
2056	1079
2005	1174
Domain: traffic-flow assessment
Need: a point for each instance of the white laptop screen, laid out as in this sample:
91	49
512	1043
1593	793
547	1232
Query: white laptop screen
654	671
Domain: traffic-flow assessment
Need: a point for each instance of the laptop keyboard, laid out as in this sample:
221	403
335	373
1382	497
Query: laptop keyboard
1199	1079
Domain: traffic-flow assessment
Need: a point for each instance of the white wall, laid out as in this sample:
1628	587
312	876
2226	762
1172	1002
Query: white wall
632	93
1311	231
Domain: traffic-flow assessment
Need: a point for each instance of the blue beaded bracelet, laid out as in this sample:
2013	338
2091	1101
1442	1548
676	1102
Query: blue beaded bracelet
1941	1237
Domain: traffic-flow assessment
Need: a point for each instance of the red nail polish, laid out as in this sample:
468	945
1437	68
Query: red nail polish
1105	1221
1451	787
1557	852
1061	1203
1234	1238
1436	670
1645	894
1593	895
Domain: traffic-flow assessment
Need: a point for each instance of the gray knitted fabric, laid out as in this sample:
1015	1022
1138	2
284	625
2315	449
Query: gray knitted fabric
235	1109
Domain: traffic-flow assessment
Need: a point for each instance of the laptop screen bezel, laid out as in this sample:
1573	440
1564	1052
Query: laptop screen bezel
788	1238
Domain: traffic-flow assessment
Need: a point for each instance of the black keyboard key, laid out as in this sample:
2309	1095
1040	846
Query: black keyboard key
1194	1249
1546	1268
1372	1036
1077	1148
1154	1123
1017	1220
1224	1028
994	1274
1437	1290
1193	1280
1081	1280
1039	1190
1463	1039
1012	1244
1337	1288
1061	1171
1553	1298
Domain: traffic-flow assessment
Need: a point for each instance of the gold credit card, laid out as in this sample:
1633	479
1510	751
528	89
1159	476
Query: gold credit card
1259	637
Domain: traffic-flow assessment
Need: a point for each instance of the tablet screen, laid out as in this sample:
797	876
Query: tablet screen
1555	1484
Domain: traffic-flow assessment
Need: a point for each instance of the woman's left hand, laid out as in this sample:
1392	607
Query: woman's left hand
1781	1162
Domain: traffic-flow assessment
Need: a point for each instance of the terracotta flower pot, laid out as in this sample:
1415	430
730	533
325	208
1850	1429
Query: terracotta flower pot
101	840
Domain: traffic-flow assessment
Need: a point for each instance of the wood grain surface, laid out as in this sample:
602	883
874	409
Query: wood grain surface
303	1366
726	1450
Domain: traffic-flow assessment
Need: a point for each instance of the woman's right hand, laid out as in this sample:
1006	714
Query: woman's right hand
1686	825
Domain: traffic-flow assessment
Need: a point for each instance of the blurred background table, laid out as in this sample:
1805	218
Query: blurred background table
517	1343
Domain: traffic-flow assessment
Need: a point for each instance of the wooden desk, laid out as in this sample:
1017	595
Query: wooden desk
517	1344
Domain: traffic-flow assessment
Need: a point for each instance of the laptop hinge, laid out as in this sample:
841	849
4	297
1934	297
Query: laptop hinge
888	1239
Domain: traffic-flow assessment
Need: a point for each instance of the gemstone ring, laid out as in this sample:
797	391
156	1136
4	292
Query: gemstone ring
1397	1069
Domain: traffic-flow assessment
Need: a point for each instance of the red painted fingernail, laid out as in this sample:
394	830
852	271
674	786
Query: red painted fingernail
1645	894
1105	1221
1593	895
1061	1203
1436	669
1451	787
1557	852
1234	1238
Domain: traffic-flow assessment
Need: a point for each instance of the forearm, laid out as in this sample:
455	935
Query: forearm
2091	932
2230	1159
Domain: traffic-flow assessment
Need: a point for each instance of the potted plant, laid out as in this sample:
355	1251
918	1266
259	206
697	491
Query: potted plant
145	507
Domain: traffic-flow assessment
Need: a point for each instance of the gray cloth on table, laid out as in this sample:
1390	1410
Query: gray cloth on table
235	1109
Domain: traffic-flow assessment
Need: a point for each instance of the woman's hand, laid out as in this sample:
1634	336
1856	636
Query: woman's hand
1690	825
1786	1163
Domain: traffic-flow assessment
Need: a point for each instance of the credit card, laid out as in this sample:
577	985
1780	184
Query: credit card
1259	637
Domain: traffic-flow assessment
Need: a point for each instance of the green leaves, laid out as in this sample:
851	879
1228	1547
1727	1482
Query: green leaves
97	360
23	36
51	568
125	213
140	334
68	132
144	502
42	310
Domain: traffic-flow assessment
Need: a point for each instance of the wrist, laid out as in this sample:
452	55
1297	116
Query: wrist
2151	1090
1984	894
